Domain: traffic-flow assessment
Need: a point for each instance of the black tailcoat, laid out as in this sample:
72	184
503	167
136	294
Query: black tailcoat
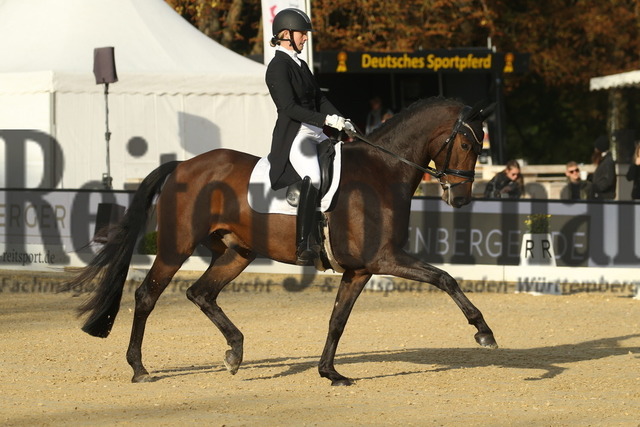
298	99
605	179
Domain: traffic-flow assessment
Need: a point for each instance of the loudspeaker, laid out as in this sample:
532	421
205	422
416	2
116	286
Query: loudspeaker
104	65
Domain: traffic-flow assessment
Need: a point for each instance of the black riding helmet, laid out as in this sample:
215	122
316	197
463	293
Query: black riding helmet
291	19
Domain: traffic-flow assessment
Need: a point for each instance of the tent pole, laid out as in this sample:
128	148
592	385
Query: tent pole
106	178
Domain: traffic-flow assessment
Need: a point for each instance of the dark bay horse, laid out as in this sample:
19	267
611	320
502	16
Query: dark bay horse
204	201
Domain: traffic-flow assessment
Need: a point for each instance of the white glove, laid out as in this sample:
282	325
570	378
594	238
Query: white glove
335	121
349	127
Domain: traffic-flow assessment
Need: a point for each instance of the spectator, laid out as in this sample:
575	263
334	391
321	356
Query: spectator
576	188
508	184
377	115
604	178
633	174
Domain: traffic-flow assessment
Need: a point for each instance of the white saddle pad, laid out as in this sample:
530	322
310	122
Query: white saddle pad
263	199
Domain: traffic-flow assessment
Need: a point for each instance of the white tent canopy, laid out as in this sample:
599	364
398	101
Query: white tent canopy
179	93
631	78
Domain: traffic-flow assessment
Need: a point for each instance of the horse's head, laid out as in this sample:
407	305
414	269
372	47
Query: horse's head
456	156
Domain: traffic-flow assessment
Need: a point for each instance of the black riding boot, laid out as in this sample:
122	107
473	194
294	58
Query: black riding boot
308	246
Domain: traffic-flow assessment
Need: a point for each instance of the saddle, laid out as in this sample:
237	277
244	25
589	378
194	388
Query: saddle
326	154
263	199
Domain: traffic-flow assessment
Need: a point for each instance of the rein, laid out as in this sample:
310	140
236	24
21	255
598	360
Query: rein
460	127
431	171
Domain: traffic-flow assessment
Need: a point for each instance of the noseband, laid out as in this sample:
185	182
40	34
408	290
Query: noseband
460	127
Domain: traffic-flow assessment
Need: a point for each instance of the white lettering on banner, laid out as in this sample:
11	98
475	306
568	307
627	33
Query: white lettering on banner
33	216
459	242
444	233
441	243
485	244
474	242
455	243
513	242
497	243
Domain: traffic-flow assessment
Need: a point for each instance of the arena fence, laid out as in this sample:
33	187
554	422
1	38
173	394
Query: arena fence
595	245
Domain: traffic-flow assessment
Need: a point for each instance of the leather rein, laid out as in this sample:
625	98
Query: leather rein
462	127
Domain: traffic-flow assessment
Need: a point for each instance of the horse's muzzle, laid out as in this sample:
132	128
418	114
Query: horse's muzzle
455	200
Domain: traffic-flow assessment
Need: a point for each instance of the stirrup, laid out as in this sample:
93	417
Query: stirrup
306	254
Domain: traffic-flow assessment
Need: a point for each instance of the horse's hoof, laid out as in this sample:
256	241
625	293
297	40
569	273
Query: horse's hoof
142	378
486	340
343	382
232	361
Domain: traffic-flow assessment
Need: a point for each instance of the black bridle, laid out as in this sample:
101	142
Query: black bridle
460	127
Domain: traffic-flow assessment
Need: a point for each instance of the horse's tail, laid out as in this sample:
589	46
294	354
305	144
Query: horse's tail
111	263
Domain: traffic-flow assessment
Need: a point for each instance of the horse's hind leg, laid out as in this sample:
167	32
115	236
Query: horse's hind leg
204	293
147	295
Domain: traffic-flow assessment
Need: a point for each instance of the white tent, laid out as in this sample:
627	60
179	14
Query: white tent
179	93
630	78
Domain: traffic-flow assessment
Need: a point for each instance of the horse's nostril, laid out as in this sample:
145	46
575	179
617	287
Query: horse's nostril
459	201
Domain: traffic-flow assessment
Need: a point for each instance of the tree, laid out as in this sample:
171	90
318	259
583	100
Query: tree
570	40
233	23
389	25
551	113
553	116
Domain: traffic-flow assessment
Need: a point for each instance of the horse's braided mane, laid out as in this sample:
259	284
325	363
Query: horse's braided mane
422	104
414	109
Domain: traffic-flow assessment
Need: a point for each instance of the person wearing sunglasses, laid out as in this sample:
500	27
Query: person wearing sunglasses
576	188
508	184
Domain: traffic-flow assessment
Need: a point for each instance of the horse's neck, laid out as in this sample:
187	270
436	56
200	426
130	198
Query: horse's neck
383	168
412	145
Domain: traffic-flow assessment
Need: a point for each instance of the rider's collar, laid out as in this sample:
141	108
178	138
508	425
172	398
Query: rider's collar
291	53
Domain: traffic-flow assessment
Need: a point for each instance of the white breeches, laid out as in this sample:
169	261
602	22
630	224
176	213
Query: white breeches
304	152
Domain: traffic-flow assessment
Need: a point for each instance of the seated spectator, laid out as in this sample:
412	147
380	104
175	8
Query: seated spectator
508	184
377	115
576	188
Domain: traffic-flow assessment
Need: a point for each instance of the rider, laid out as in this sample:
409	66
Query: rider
302	111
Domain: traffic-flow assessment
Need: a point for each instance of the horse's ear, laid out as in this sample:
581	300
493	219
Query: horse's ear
481	110
487	110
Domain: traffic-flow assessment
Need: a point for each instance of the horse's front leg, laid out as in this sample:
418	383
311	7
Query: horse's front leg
405	266
350	288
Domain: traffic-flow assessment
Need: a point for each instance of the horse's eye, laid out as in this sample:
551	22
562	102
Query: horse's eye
465	146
